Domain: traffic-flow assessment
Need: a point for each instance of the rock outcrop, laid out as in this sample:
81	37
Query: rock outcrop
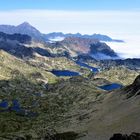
133	136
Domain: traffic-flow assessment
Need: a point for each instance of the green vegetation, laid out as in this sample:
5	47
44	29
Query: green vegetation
63	107
11	67
120	75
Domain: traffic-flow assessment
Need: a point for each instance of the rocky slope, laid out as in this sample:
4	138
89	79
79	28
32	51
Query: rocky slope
118	74
133	64
89	47
24	46
132	136
119	113
36	53
14	44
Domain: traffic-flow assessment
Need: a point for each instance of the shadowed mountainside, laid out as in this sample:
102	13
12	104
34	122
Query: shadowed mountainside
84	46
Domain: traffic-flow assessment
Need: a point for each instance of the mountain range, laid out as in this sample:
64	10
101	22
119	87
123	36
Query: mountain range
28	29
100	37
22	45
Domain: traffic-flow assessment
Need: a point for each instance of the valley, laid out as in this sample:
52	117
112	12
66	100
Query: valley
74	89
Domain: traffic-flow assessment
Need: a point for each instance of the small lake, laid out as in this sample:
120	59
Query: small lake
4	104
110	87
73	73
64	73
15	106
93	69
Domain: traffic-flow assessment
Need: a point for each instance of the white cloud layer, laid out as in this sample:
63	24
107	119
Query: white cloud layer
117	24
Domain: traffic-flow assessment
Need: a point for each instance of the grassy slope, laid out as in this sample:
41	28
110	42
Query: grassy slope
22	80
59	63
10	64
75	104
116	115
63	105
119	75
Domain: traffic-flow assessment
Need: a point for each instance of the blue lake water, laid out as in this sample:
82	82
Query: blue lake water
64	73
73	73
110	87
4	104
15	105
93	69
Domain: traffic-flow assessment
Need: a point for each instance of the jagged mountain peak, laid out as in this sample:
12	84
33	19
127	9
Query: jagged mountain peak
26	25
23	28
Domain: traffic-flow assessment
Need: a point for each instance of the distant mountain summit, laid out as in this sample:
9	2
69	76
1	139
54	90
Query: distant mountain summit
24	28
99	37
25	24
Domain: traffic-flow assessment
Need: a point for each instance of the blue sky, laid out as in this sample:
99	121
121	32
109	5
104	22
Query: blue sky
119	19
71	4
